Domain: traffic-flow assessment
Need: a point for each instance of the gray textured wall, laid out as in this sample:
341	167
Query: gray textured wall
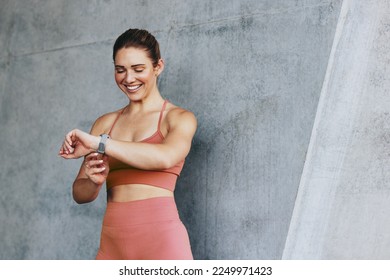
251	70
342	210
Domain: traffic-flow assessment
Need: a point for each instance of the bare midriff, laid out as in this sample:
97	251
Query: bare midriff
132	192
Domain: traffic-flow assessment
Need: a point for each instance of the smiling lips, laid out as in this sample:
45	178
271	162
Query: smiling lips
133	88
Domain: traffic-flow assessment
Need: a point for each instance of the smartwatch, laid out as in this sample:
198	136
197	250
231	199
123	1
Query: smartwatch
102	144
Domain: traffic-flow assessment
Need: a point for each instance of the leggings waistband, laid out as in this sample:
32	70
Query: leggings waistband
145	211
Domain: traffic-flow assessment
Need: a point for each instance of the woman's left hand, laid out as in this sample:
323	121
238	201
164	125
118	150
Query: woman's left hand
77	143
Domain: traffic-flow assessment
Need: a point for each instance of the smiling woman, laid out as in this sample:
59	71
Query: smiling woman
135	73
139	151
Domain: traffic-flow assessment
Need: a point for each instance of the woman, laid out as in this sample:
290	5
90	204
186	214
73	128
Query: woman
139	151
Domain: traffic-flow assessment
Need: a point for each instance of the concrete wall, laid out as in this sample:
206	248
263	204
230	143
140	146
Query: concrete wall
342	210
251	70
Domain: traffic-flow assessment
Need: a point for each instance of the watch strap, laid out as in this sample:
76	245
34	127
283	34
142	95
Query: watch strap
102	144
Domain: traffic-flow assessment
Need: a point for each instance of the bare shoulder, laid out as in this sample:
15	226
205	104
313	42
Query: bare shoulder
178	114
180	117
103	123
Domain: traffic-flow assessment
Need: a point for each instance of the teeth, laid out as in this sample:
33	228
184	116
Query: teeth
133	87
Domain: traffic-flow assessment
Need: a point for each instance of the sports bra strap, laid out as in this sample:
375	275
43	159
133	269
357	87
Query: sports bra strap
119	114
159	119
161	114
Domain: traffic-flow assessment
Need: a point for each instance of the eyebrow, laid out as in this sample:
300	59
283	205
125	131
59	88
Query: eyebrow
132	66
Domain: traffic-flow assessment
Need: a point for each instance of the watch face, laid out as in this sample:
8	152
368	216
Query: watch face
102	144
101	148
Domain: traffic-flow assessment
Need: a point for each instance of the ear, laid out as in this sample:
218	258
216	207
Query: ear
159	67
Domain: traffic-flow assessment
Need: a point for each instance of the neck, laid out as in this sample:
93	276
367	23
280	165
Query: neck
149	103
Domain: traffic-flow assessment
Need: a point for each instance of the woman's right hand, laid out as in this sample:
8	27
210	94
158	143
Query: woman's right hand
96	167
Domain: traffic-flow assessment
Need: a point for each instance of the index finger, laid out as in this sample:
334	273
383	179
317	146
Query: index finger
92	156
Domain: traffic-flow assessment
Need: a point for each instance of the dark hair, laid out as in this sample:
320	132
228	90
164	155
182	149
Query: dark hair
141	39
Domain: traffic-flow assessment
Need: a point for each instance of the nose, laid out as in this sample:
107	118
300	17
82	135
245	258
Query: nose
129	78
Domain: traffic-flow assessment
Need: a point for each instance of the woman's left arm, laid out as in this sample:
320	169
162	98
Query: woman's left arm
175	147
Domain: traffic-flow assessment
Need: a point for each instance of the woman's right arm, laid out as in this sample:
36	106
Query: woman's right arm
93	171
92	175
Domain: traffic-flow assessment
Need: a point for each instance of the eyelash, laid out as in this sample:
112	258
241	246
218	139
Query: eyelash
123	71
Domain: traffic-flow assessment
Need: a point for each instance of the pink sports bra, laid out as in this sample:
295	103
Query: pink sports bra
123	174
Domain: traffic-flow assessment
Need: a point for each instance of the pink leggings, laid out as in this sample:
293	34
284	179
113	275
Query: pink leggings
148	229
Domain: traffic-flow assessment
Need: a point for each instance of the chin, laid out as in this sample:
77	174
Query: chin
135	97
